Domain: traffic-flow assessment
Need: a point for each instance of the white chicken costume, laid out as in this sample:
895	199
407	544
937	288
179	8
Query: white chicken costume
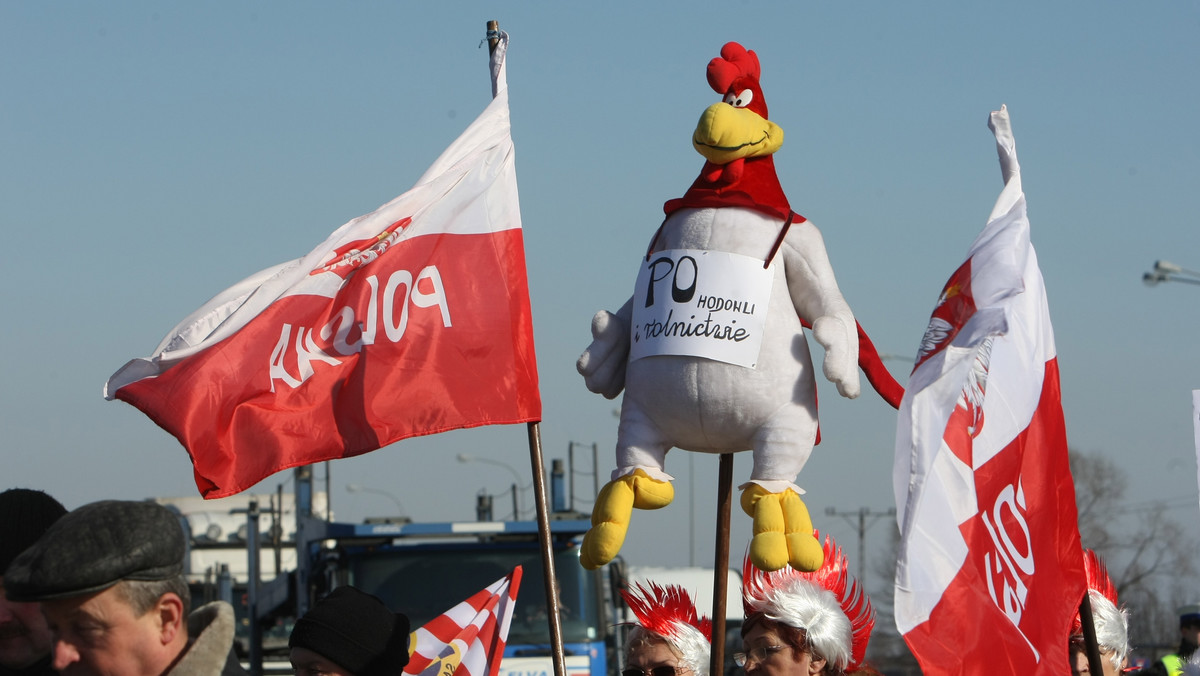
683	396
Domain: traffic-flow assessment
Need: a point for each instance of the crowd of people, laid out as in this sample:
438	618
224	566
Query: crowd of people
109	580
796	624
101	591
1111	625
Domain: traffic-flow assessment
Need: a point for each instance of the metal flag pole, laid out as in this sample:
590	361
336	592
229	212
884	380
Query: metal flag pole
536	464
721	564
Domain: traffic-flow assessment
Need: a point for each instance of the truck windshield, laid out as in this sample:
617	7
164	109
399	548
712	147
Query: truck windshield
424	582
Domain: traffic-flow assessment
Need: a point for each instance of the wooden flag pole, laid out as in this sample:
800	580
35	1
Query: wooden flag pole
721	564
493	38
1091	646
543	519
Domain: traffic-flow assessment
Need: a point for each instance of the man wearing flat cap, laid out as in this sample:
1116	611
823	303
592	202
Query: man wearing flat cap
25	640
109	577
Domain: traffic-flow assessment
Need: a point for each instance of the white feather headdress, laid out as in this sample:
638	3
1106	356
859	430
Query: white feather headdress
670	613
1111	622
827	604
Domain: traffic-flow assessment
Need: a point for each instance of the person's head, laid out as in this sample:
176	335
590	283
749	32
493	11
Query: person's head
670	636
804	623
1111	637
1189	623
349	633
773	648
109	577
25	515
1111	622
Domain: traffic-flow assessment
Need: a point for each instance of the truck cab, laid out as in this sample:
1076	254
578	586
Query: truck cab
422	570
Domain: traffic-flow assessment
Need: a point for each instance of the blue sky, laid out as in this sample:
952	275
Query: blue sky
153	154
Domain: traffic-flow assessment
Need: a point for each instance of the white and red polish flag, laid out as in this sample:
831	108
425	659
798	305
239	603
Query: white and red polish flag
468	639
990	568
410	320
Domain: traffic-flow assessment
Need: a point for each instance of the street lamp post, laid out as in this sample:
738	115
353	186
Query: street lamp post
358	488
571	468
1164	271
467	457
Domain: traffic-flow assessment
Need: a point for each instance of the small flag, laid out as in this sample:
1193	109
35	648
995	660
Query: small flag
468	639
990	570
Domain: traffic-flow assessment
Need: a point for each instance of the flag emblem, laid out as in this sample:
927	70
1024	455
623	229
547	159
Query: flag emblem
353	255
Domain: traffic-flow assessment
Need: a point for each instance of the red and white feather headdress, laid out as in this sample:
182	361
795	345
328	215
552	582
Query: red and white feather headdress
1112	622
670	613
828	604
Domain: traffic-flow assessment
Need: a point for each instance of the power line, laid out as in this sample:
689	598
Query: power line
862	525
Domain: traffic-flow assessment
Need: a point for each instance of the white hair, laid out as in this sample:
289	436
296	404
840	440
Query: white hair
799	603
688	644
1112	627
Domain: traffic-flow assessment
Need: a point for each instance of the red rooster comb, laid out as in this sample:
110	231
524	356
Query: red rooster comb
670	613
1097	581
662	609
735	61
828	604
1097	576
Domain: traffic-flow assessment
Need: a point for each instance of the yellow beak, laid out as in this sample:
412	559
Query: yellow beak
725	134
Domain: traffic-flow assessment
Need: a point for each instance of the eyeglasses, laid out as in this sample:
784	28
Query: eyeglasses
656	671
757	655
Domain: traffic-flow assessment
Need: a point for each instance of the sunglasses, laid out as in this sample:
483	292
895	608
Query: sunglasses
656	671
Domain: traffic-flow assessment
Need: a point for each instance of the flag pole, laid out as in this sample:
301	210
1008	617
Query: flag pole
493	37
721	564
538	468
551	578
1091	646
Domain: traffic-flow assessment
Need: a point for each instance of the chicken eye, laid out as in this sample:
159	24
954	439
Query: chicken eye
740	100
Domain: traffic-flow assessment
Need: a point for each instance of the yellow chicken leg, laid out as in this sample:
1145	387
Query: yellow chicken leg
783	531
612	512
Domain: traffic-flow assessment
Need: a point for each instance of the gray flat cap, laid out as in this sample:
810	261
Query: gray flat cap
96	546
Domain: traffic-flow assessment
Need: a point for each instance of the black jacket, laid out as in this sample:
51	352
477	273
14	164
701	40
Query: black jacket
41	668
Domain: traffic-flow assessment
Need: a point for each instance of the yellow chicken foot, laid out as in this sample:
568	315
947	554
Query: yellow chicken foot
783	531
612	512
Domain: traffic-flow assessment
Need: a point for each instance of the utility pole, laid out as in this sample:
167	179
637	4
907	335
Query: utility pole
571	469
861	523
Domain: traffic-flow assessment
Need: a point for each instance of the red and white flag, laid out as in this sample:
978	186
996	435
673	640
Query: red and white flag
410	320
990	570
468	639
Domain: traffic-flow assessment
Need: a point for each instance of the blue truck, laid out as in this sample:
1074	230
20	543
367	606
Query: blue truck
422	570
